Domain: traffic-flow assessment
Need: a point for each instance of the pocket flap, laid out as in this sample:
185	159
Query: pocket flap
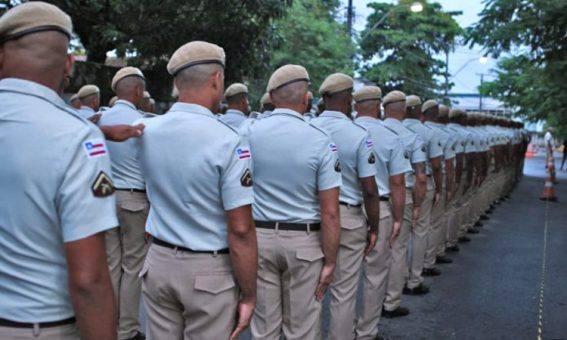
214	283
144	270
309	254
133	206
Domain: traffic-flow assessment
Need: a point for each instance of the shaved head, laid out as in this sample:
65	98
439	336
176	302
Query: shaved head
92	101
196	77
201	84
397	110
131	89
292	94
341	101
368	108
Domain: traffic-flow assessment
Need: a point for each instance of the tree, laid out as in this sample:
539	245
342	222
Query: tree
406	45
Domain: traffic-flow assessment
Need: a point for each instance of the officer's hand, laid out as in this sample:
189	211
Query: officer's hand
371	239
395	232
414	217
120	133
325	279
436	198
244	315
95	118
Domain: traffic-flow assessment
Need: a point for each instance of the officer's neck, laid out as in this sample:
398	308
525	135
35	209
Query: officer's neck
368	114
337	108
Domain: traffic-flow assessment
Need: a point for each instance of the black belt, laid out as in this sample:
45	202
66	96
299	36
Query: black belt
142	191
350	205
14	324
172	246
384	198
288	226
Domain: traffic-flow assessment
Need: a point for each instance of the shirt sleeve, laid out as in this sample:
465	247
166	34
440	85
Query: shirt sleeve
236	178
366	158
435	149
418	154
398	163
329	172
85	200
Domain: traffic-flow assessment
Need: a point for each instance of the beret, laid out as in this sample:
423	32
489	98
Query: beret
146	95
443	111
428	105
124	72
335	83
234	89
367	93
87	90
266	99
394	97
112	101
33	17
152	101
74	97
286	75
413	100
195	53
310	95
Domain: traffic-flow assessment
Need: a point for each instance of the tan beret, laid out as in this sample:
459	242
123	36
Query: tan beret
443	111
394	97
33	17
266	99
335	83
112	101
413	100
428	105
124	72
310	95
152	101
146	95
74	97
88	90
286	75
195	53
367	93
234	89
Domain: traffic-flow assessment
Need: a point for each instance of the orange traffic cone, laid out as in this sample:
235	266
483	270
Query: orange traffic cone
548	190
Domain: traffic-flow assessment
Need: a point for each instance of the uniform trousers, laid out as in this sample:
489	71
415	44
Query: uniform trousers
399	271
419	236
438	232
289	267
126	249
454	220
65	332
354	230
188	295
375	269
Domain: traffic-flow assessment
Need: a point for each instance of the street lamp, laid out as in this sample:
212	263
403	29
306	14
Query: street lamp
482	60
415	7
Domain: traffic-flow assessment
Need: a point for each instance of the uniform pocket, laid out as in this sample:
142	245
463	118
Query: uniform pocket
133	206
214	283
309	255
145	269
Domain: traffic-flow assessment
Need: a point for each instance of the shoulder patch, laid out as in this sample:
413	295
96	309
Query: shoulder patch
102	185
333	147
371	158
338	166
246	178
406	154
369	144
424	148
95	148
243	153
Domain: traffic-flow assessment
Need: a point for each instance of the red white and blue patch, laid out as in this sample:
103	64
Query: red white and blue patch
95	148
333	147
369	144
243	153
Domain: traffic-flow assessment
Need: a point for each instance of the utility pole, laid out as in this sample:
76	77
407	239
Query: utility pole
350	14
480	92
446	77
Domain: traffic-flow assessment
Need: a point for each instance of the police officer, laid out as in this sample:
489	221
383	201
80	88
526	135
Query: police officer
199	278
421	228
54	282
145	104
416	185
308	112
236	96
89	95
391	166
297	175
74	101
126	246
358	170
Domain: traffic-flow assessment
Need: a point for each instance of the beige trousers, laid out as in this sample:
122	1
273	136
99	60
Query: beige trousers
188	295
375	269
66	332
347	273
126	249
399	271
454	220
419	241
289	267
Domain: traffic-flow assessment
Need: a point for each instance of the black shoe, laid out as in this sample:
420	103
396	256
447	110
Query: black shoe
443	260
478	224
419	290
472	231
430	272
464	239
453	249
484	218
396	313
138	336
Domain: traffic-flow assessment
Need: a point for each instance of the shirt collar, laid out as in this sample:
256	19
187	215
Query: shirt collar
392	121
367	119
31	88
235	112
87	108
412	121
288	112
333	114
127	103
192	108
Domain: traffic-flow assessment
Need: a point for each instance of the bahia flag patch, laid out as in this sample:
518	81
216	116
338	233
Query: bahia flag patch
95	148
333	147
369	144
243	153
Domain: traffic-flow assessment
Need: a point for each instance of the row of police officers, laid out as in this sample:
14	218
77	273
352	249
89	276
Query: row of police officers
221	223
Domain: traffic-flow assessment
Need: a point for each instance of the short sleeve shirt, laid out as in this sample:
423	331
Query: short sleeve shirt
355	150
56	188
431	140
293	162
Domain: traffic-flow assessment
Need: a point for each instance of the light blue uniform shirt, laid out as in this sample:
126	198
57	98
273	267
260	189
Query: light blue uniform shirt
50	160
461	138
234	118
125	162
195	168
86	112
293	161
390	151
431	140
446	140
355	152
413	145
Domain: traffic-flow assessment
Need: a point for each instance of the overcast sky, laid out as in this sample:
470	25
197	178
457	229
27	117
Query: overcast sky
467	80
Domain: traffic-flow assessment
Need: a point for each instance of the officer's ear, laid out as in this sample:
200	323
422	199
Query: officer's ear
69	65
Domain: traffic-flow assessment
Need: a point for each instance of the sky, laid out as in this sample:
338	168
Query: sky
467	80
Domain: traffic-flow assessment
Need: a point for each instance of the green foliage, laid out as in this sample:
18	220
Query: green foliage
406	44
